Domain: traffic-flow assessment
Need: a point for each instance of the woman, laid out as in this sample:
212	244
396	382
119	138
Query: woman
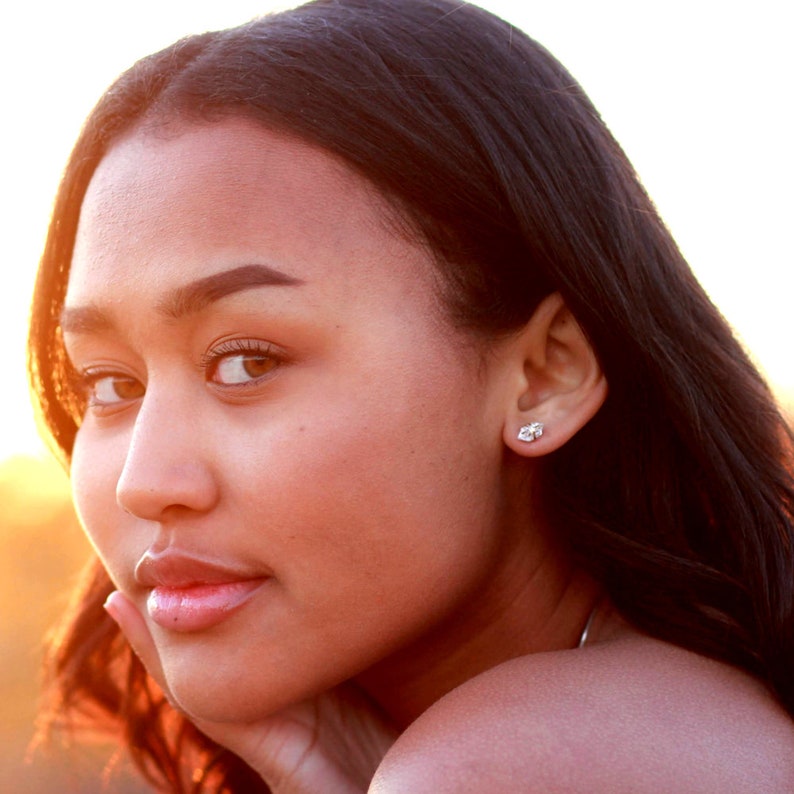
414	456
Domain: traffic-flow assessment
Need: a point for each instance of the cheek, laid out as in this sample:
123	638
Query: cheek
398	488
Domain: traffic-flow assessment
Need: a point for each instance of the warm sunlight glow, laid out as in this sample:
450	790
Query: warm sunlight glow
697	93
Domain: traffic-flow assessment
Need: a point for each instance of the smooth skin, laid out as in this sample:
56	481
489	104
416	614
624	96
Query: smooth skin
273	386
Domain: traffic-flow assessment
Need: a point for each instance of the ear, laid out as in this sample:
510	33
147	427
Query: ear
555	380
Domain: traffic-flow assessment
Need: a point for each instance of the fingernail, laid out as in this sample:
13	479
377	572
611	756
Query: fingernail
111	605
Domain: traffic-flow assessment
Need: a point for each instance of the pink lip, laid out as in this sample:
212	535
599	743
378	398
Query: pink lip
192	593
199	606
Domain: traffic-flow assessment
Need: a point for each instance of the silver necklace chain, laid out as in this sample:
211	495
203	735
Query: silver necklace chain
587	627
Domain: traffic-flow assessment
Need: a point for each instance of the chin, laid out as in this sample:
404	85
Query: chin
203	698
230	689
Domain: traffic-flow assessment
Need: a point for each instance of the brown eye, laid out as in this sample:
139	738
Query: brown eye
112	389
242	368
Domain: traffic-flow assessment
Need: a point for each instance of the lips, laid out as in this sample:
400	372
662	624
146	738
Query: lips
191	593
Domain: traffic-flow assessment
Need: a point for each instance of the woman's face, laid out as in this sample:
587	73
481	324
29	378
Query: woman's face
290	461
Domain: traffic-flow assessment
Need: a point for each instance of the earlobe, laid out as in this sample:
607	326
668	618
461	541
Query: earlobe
558	385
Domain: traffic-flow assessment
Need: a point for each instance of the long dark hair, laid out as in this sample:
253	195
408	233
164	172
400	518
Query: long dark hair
677	497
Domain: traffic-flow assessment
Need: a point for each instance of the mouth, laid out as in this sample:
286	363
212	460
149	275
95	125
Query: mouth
189	592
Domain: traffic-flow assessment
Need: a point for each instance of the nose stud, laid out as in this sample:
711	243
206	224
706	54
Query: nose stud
530	432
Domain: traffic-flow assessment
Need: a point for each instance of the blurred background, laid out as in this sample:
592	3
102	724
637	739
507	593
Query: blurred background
696	91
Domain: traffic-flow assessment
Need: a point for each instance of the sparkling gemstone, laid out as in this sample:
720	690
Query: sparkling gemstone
531	431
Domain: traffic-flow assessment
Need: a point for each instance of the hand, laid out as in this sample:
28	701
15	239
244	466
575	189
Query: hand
331	744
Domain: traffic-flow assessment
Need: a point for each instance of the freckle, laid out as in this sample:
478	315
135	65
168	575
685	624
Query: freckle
301	428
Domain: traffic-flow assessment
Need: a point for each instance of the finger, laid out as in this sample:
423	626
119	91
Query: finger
134	628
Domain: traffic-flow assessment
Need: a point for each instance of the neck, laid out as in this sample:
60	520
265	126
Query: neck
506	617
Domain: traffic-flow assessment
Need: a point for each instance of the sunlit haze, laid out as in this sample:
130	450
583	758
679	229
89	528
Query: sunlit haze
698	94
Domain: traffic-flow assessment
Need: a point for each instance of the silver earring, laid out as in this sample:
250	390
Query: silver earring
530	432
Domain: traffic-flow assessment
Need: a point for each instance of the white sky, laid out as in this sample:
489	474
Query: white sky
698	92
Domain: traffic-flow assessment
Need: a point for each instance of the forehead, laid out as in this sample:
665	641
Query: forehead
222	194
227	156
234	173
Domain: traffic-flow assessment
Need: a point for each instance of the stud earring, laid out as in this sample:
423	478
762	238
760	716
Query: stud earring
530	432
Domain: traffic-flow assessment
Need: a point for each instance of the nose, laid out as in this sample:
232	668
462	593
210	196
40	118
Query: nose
166	470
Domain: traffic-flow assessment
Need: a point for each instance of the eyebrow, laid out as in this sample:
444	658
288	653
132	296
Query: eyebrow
185	300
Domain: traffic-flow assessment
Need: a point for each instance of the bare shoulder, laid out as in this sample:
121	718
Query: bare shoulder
633	715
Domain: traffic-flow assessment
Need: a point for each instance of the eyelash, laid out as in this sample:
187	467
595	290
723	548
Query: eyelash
233	347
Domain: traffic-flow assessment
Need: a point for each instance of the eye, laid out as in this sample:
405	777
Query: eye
106	389
239	362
